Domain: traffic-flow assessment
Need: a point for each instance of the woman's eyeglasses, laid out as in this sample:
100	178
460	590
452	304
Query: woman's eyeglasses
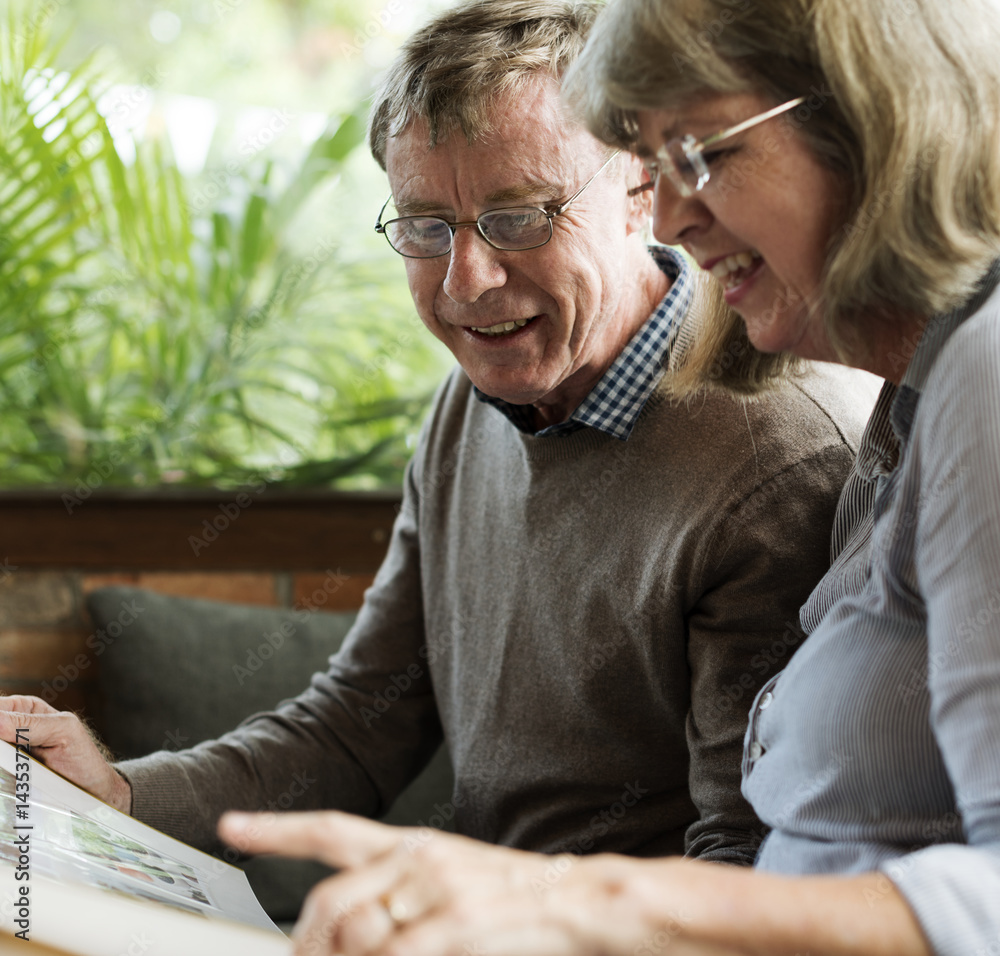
683	158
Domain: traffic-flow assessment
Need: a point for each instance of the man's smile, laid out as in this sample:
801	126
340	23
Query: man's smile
502	328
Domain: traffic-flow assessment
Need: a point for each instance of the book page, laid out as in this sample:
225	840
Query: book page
67	836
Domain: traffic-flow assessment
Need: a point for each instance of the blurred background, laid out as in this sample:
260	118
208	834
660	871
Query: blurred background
191	291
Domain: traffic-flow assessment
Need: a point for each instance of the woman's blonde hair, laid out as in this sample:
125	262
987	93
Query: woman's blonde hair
903	101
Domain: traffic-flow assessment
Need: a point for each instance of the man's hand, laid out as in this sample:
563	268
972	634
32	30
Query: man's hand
64	744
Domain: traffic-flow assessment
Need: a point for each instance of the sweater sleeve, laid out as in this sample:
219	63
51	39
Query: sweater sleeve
953	889
759	563
352	740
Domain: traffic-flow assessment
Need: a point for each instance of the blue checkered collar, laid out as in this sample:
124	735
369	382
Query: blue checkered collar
614	403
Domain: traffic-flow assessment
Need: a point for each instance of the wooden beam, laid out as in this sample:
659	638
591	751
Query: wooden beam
197	530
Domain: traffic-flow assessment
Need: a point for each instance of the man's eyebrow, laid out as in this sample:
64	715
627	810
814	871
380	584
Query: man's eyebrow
527	193
417	207
521	194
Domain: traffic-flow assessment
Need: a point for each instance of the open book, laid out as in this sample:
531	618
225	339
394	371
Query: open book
84	878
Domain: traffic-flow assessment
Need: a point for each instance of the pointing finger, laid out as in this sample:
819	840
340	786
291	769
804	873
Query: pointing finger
337	839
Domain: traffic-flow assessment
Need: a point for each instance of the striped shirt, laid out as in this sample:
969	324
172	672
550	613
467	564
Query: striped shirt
614	403
878	748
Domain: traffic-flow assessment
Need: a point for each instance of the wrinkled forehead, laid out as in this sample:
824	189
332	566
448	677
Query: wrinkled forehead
528	102
531	138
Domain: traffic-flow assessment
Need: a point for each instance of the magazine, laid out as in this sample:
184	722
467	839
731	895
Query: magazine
80	876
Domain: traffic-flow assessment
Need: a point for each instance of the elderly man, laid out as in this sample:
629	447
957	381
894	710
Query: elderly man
588	580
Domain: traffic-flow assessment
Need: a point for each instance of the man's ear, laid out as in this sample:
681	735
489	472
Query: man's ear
640	200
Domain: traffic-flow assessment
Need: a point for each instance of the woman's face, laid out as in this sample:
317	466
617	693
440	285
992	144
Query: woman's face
763	222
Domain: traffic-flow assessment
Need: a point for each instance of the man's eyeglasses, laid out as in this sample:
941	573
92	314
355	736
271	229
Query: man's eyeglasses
683	158
513	229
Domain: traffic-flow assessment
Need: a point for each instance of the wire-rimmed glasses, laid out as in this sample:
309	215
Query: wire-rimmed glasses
513	229
683	158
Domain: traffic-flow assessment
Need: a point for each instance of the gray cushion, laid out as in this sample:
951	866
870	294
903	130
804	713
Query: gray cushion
176	671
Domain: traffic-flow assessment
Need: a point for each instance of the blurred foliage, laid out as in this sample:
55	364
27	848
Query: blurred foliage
201	328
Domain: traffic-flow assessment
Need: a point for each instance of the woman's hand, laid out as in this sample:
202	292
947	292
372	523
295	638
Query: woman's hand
421	892
61	741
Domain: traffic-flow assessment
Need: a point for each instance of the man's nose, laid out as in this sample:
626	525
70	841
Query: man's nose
473	267
675	217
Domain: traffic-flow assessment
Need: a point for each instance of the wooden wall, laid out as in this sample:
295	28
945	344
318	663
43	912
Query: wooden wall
268	549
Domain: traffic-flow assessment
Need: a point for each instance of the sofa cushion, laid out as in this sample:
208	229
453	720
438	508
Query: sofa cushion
176	671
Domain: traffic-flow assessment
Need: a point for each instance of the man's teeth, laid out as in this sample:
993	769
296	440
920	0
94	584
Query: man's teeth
503	327
729	270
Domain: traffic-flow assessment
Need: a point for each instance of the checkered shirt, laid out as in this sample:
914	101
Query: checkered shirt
614	403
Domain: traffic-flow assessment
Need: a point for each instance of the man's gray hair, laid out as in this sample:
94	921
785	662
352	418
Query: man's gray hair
451	72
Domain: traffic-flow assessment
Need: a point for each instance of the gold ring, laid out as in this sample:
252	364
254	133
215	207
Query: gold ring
397	911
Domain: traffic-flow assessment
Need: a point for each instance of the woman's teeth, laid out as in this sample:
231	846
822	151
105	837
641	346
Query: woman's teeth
503	328
731	271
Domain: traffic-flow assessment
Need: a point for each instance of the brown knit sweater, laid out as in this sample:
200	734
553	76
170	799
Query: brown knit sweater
585	620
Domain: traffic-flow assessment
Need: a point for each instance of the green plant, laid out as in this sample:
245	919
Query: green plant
148	339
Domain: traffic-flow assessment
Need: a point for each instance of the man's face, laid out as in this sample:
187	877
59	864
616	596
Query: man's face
574	293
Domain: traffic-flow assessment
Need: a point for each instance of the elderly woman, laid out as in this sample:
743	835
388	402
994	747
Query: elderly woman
835	165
